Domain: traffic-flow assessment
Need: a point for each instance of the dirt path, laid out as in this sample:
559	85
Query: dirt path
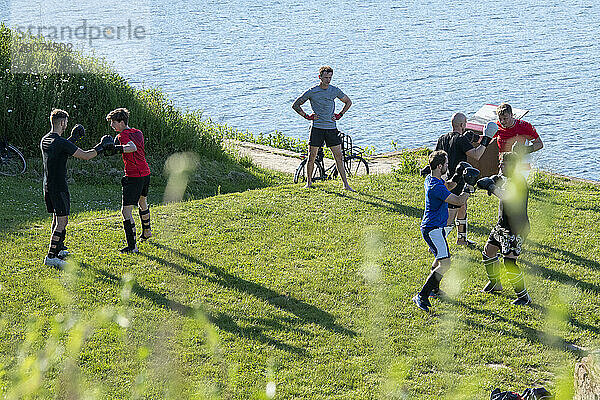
287	161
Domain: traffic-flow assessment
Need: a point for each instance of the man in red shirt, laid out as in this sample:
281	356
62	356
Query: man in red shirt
512	131
130	142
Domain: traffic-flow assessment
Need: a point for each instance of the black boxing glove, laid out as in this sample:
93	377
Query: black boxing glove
106	145
497	178
487	184
77	133
470	176
461	167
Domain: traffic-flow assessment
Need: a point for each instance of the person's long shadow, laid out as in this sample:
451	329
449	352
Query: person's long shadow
394	206
532	334
409	211
558	276
567	255
571	320
306	312
219	319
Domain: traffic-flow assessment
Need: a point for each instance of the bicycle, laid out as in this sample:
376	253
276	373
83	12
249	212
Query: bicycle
354	163
12	161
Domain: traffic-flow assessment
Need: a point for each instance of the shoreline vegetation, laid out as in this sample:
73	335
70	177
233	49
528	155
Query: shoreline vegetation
277	293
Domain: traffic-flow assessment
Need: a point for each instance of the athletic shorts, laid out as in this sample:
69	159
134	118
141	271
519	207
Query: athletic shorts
331	137
506	240
436	240
58	203
133	188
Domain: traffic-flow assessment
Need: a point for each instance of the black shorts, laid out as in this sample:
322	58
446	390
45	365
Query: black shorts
133	188
331	137
58	203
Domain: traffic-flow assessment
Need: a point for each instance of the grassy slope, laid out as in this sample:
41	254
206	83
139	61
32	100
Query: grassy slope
308	289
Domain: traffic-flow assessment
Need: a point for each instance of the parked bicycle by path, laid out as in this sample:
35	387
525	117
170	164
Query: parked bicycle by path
354	163
12	161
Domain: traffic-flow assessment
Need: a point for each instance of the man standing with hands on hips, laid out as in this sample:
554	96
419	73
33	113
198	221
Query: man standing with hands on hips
324	130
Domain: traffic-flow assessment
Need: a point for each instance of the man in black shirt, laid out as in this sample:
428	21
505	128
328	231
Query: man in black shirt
458	145
512	228
55	152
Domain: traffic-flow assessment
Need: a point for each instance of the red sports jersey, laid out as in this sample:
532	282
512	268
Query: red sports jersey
507	137
135	163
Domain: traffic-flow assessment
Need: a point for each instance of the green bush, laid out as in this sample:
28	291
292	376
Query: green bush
26	100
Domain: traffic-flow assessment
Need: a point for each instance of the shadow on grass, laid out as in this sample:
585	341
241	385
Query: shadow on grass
389	205
527	332
304	311
566	255
409	211
221	320
571	320
561	277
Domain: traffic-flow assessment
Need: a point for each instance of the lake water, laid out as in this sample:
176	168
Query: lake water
407	66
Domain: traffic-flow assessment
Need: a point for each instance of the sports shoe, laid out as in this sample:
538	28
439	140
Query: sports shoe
128	249
420	303
63	253
54	262
522	301
468	243
492	287
437	294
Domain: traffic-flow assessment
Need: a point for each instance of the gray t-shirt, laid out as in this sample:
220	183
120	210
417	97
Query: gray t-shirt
322	102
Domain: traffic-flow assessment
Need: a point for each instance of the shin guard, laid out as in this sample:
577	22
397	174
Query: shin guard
432	282
461	229
145	221
129	228
515	276
492	269
56	243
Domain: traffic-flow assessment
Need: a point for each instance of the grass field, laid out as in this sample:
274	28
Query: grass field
289	293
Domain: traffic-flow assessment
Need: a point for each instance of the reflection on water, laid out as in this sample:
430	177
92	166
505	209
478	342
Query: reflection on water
407	67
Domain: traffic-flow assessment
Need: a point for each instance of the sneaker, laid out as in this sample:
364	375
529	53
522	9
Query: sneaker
54	262
468	243
128	249
522	301
420	303
492	287
437	294
63	253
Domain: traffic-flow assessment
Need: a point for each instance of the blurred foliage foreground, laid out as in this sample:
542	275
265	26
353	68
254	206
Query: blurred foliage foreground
290	293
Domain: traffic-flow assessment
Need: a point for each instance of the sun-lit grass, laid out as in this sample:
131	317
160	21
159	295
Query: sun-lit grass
306	290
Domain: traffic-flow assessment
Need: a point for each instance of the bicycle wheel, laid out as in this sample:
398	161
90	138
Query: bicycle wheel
300	174
356	166
12	162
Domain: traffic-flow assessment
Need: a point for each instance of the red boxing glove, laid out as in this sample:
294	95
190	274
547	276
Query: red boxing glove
336	116
310	117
